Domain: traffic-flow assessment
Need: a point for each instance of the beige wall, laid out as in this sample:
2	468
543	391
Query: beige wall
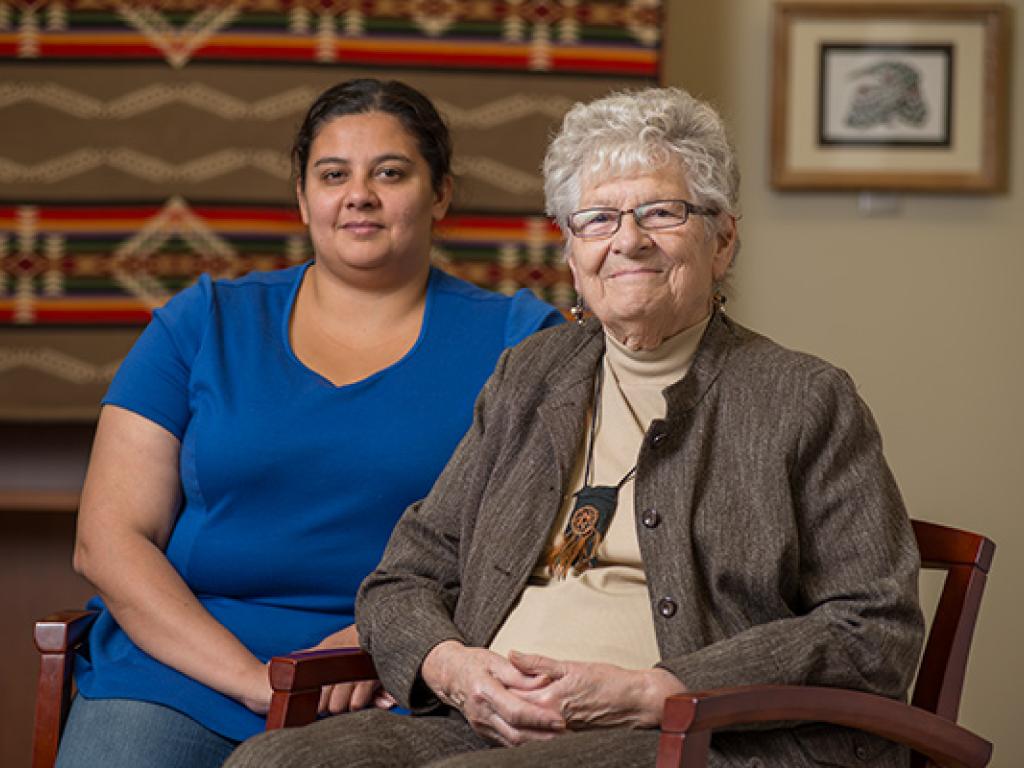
925	310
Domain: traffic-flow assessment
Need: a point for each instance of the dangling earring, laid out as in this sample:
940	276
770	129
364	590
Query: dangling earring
719	300
577	310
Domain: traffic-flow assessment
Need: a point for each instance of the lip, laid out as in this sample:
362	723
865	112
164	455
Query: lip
362	227
634	272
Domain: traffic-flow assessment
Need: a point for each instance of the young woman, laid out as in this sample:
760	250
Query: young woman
264	435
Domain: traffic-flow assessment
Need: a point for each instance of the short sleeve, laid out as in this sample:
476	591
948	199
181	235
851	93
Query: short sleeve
153	380
528	314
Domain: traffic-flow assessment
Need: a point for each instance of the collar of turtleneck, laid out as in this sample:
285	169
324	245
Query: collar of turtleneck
658	367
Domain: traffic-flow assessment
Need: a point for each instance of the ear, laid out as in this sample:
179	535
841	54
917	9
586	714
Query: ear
300	195
570	259
443	198
725	246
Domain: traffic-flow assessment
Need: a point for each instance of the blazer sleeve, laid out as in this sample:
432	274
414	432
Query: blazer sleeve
857	621
405	606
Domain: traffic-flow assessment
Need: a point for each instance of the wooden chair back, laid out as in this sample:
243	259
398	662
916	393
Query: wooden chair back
966	558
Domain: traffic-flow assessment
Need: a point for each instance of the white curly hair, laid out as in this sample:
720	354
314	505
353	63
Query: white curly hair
628	131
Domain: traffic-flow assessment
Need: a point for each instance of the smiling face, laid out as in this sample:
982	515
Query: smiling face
368	199
647	286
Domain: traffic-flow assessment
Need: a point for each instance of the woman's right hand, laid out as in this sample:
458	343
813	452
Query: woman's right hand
348	697
258	690
480	684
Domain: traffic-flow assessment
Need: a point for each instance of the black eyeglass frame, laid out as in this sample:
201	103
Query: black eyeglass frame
690	208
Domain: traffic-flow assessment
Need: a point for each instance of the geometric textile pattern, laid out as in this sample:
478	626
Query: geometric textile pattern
606	37
102	266
144	143
117	132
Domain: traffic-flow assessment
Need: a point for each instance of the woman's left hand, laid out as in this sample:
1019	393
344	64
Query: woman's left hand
348	697
590	694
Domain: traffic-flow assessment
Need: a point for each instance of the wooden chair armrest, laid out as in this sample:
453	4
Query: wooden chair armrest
61	631
56	637
297	678
689	719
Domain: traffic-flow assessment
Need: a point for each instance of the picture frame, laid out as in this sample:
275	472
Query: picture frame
890	95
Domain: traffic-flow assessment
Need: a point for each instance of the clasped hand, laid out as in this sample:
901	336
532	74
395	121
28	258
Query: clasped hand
529	697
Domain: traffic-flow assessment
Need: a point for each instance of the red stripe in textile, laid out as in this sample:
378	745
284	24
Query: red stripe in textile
646	68
236	212
490	222
262	52
348	56
433	59
276	213
98	213
494	222
53	316
98	50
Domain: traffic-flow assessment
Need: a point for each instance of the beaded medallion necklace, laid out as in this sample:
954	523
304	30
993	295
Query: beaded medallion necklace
591	513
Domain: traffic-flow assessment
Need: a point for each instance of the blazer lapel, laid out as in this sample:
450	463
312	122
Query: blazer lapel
570	390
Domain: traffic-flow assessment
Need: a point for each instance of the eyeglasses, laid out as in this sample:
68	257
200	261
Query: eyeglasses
595	223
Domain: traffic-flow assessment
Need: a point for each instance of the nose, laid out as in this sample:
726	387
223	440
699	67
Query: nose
359	194
630	239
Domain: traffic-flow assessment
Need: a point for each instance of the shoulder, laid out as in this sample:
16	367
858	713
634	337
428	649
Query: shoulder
755	358
453	288
555	355
560	343
255	283
252	300
789	384
456	289
199	297
520	314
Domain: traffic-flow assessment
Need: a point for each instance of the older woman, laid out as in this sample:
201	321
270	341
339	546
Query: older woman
651	501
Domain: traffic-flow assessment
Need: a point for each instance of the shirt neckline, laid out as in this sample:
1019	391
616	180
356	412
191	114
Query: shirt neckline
376	375
658	367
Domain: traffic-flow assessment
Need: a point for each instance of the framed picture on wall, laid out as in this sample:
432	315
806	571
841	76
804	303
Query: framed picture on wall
890	95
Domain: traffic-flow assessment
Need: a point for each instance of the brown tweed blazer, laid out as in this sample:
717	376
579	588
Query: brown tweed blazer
775	542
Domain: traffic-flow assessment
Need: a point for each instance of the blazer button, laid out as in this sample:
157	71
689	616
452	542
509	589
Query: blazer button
667	607
861	752
650	518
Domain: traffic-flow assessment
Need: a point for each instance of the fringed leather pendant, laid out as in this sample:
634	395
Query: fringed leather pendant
585	529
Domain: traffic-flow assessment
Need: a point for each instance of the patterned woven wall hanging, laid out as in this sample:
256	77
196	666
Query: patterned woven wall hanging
146	143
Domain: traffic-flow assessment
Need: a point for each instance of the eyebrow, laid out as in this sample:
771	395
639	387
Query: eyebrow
379	159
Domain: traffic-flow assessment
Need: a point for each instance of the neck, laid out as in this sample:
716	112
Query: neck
366	305
643	336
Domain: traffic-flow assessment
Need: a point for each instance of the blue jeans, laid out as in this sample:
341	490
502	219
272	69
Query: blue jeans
122	733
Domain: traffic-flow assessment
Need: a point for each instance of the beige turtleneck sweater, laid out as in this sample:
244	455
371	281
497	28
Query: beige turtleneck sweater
604	614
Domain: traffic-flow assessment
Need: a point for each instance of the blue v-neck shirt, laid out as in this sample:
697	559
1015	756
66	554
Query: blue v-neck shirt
291	485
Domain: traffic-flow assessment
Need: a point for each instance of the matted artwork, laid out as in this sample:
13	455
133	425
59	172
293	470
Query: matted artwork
890	95
886	95
145	143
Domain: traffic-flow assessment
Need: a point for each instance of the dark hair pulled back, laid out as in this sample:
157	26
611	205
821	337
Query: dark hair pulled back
354	97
